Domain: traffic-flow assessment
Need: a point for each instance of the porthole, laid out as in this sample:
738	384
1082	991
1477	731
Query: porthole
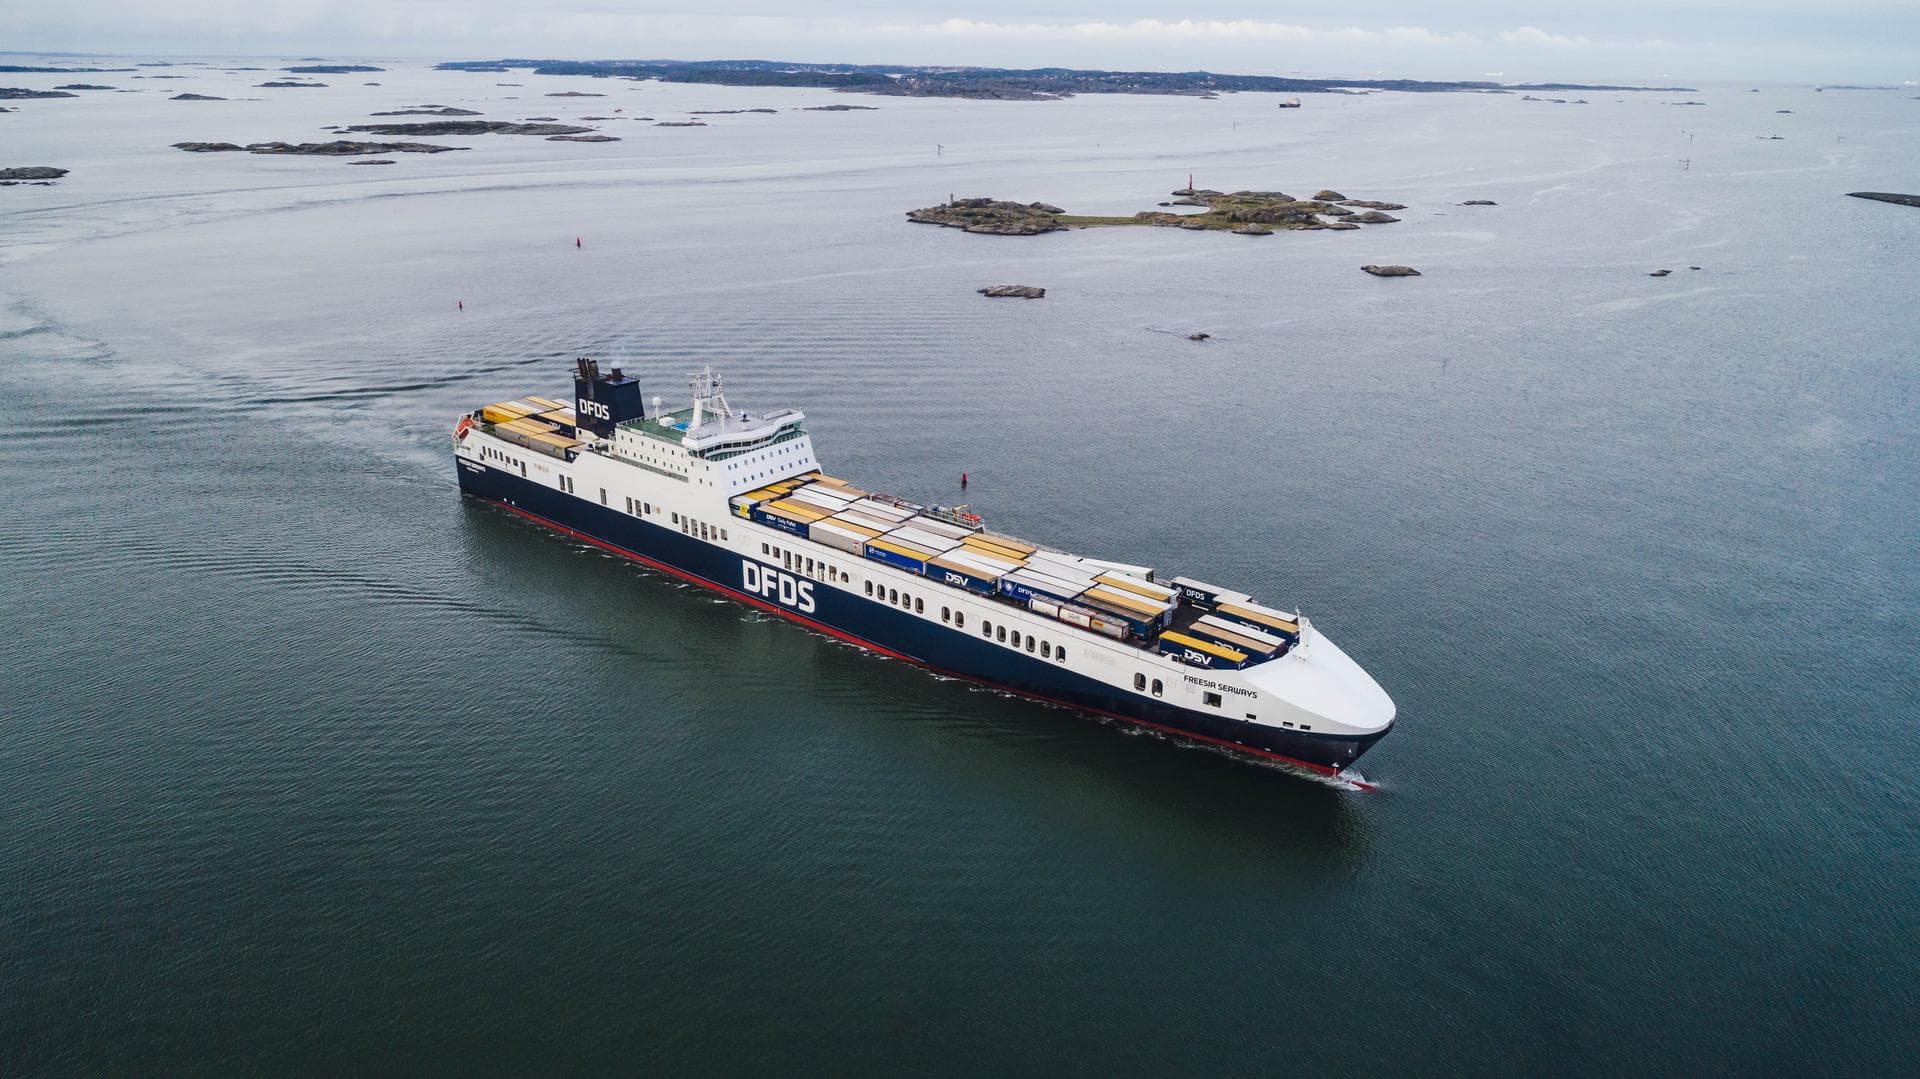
1139	681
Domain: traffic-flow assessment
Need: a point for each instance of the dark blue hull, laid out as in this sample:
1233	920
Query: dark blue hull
887	629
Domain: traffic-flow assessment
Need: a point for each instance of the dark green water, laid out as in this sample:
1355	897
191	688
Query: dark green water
309	765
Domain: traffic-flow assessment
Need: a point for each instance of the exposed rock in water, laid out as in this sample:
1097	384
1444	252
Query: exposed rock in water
988	217
1789	112
19	93
373	161
1693	267
1659	273
1248	213
1374	217
286	84
1198	336
429	110
1479	202
1392	271
194	97
575	93
1886	196
839	108
1023	292
544	119
1341	226
1369	204
82	86
728	112
582	138
1686	103
32	172
319	149
1328	195
470	127
681	123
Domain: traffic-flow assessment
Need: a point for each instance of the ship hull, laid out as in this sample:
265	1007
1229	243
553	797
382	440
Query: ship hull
890	631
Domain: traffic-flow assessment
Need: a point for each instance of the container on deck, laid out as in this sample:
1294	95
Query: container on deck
961	575
774	517
912	533
1024	584
825	501
1236	635
1261	618
1204	595
1017	546
507	411
800	509
545	404
833	535
886	511
1079	616
1201	653
898	554
1157	594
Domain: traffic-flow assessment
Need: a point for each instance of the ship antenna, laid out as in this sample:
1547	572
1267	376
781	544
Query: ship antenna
707	396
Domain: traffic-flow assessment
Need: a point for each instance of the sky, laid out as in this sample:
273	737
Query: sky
1678	41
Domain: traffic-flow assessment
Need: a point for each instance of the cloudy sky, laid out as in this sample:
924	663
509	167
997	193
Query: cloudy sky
1684	40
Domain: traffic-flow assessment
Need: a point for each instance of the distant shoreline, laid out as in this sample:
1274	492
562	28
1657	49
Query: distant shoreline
1002	84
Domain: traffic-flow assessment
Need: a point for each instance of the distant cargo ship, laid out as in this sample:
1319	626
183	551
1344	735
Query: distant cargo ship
736	502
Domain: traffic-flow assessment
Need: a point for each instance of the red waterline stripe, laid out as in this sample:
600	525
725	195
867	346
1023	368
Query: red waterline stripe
861	642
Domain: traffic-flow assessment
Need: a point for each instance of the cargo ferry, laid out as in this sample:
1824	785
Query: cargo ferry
736	501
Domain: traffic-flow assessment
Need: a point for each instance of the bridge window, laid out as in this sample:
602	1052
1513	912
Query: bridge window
1139	681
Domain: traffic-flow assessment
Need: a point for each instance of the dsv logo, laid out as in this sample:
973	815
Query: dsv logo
790	591
593	408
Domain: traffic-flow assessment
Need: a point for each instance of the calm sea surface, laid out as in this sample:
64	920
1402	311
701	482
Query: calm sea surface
307	763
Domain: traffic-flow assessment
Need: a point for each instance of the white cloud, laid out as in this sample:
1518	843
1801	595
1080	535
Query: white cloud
1533	35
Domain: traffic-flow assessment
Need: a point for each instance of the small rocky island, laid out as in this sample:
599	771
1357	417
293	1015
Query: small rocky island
1245	213
1391	271
429	110
470	127
194	97
1886	196
20	93
30	174
1018	292
316	149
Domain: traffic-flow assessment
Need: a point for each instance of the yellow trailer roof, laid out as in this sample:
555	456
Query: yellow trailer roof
527	427
1008	542
1222	651
545	404
1259	618
908	550
1138	588
855	527
1229	637
801	509
1124	600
